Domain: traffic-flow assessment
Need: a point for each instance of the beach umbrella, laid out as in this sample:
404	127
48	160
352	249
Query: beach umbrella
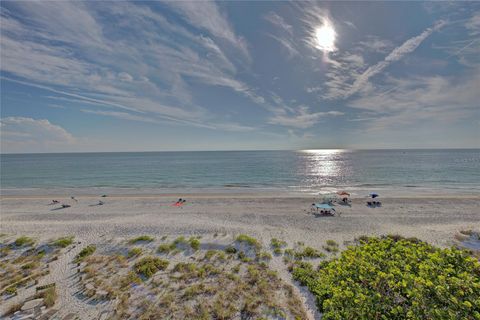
374	195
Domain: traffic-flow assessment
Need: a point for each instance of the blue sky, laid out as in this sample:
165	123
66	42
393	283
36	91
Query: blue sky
139	76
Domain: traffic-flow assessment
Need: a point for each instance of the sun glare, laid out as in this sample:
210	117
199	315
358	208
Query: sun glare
325	37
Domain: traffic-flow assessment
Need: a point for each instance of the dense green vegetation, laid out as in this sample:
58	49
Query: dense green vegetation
395	278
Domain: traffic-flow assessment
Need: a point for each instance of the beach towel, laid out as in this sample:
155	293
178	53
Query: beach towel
177	204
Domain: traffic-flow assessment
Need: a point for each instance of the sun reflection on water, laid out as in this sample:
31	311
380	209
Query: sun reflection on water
323	166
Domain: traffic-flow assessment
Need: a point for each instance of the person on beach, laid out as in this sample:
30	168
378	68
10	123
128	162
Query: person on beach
73	198
180	202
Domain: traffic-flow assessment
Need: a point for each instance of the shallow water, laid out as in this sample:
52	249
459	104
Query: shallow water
292	171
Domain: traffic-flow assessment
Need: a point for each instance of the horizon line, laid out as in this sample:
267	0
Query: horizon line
238	150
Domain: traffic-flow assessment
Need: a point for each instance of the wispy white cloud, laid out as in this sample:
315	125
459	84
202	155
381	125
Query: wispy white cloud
350	24
375	44
301	118
473	24
283	33
407	47
413	100
208	16
349	74
146	72
279	22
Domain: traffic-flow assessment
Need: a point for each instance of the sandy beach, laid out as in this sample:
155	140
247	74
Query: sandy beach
218	218
433	219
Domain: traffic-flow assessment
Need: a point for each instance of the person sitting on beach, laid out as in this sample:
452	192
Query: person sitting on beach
100	203
55	202
73	198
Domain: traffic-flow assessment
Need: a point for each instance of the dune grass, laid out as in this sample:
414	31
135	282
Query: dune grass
252	242
87	251
201	284
63	242
143	238
24	241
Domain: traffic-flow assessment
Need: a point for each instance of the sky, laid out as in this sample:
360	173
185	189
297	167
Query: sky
153	76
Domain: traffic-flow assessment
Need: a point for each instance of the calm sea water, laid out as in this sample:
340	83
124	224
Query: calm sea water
291	171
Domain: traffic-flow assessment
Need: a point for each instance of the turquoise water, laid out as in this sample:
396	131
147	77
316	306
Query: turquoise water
291	171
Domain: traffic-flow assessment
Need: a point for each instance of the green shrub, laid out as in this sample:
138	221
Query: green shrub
134	252
194	243
24	241
63	242
87	251
332	243
148	266
141	239
395	278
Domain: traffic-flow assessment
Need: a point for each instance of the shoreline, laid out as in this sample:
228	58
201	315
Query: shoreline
237	195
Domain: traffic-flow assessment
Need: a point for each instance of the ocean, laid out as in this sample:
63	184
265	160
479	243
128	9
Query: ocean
307	171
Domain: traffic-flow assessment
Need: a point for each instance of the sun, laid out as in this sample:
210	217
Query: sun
324	37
